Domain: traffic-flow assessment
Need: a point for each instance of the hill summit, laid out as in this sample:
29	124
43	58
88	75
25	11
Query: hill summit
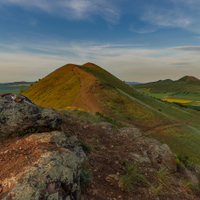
189	79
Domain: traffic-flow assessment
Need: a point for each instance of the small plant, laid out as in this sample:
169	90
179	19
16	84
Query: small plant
156	190
85	147
85	177
189	186
24	132
163	176
131	177
184	160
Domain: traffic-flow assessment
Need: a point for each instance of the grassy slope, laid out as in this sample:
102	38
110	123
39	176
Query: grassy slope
146	101
57	90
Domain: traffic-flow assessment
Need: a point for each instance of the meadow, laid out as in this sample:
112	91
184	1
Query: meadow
13	88
187	99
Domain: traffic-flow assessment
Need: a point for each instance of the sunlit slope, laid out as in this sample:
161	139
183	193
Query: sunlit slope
62	88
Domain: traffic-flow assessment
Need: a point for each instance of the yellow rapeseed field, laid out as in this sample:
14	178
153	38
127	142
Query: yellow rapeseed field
177	100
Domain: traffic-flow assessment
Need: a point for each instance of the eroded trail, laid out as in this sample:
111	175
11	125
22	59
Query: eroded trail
86	91
184	123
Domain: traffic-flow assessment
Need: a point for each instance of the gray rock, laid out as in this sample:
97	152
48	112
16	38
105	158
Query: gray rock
106	126
154	154
18	113
55	176
129	132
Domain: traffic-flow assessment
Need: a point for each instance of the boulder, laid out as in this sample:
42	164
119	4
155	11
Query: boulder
18	114
54	176
154	154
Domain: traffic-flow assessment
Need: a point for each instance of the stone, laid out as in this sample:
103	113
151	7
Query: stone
19	114
154	154
106	126
55	176
129	132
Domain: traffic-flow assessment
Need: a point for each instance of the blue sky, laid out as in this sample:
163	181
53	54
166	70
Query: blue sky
136	40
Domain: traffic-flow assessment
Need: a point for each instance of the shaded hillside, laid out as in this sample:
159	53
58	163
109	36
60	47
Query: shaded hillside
186	84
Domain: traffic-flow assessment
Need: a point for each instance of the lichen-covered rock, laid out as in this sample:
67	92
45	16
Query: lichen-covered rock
153	153
55	176
18	113
106	126
130	132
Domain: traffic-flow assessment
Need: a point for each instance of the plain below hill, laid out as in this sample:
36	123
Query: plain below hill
14	87
91	88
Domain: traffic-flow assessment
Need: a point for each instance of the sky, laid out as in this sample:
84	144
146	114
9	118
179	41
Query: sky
135	40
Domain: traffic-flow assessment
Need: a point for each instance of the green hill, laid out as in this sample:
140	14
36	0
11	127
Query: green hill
91	88
185	91
186	84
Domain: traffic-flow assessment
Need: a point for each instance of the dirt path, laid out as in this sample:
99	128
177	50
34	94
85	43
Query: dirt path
184	123
86	91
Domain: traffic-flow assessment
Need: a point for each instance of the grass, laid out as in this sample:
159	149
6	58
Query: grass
131	177
85	177
87	117
85	147
183	140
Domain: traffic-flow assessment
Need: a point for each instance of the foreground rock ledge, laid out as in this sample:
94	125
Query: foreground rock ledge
56	175
18	113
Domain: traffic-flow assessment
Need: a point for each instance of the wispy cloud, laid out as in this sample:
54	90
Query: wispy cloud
195	49
72	9
173	13
128	62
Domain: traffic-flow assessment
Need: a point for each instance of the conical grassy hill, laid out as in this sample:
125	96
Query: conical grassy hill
93	89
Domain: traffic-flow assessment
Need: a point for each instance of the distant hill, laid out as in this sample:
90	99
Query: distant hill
17	83
186	84
133	83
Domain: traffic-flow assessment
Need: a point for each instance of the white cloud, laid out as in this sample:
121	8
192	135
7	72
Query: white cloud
72	9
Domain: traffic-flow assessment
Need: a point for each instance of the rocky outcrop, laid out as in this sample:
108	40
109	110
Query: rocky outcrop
54	176
151	153
18	114
155	154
